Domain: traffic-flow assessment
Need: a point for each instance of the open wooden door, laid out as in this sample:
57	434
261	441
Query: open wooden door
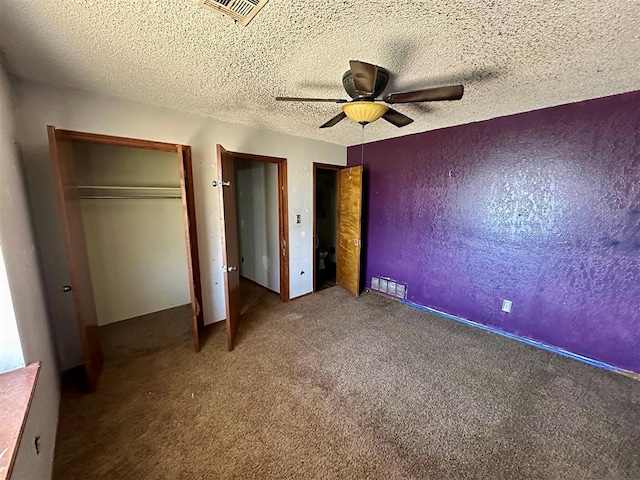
191	237
349	229
229	235
76	255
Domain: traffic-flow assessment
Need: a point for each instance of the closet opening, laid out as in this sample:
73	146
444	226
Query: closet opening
257	203
128	214
325	225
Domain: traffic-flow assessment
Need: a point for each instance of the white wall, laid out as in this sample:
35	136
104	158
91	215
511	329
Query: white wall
10	347
28	300
41	105
136	247
258	227
273	233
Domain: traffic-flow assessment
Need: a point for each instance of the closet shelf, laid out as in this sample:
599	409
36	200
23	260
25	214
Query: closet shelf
118	192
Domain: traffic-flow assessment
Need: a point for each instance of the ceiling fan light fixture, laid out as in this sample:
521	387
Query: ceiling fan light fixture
364	112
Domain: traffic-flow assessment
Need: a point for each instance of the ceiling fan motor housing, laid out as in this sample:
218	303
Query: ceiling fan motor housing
382	79
364	83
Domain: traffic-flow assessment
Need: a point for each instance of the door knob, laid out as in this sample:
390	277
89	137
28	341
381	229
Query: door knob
66	288
229	269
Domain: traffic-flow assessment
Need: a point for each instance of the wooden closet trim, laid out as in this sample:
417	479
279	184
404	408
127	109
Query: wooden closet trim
117	141
188	203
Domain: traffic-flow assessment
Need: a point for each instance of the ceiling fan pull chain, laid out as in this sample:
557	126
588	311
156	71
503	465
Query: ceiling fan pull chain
362	149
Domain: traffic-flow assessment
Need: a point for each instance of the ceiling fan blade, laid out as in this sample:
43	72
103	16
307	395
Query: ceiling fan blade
397	118
454	92
364	76
334	120
299	99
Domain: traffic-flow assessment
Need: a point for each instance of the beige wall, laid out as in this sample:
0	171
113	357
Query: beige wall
28	299
40	105
136	247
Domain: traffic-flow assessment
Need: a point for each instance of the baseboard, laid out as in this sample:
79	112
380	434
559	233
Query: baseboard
303	295
210	326
528	341
259	285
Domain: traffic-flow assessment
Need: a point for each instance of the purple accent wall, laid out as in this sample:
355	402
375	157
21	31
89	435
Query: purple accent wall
541	208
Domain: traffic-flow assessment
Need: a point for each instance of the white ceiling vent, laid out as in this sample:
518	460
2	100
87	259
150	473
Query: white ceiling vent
242	11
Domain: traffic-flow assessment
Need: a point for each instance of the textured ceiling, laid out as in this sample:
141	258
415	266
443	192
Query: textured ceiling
511	55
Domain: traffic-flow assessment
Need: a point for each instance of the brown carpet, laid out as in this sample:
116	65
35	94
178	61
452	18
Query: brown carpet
329	386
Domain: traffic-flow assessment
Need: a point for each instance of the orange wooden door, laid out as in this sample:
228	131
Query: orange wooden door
349	229
76	255
191	238
229	234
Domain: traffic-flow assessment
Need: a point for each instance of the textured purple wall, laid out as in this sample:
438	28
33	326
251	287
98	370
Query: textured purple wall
541	208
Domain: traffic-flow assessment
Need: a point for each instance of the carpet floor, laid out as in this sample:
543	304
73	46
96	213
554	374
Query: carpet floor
330	386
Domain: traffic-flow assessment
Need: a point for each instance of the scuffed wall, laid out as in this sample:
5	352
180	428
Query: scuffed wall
40	105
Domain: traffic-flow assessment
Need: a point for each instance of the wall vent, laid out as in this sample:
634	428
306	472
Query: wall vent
242	11
389	287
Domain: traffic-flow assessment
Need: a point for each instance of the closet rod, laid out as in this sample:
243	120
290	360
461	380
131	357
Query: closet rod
125	197
120	192
127	187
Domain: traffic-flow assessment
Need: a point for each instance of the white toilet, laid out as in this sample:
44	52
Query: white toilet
322	254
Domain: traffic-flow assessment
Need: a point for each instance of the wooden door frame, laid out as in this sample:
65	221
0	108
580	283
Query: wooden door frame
321	166
283	215
188	207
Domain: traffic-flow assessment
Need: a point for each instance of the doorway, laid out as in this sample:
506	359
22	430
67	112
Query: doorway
103	194
244	182
325	225
348	229
258	233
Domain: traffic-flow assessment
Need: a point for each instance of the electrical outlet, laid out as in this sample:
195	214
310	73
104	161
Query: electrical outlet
298	218
506	306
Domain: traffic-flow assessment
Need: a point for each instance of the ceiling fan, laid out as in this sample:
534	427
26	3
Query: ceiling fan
364	83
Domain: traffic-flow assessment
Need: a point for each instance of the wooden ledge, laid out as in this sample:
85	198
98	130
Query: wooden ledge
16	392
